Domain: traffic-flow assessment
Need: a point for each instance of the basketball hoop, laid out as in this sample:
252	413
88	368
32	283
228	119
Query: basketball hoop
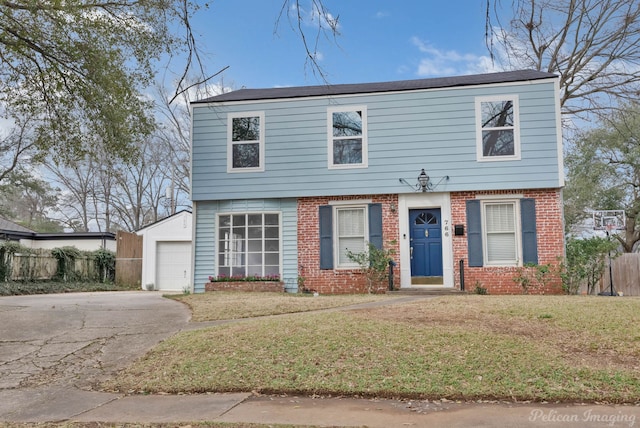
609	220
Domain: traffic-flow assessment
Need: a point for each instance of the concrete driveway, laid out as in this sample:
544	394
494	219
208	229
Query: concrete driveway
56	345
54	348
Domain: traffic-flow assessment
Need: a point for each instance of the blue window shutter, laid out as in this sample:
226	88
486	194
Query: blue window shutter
375	225
326	236
529	235
474	233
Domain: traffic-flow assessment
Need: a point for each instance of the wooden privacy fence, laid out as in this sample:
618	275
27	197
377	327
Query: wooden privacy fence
128	259
625	270
38	265
41	265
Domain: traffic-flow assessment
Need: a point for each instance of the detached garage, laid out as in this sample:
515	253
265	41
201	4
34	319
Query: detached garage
166	254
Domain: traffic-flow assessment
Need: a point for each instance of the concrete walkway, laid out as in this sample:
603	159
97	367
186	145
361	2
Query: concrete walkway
53	347
72	405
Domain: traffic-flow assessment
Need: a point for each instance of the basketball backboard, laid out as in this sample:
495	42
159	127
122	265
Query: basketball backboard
609	220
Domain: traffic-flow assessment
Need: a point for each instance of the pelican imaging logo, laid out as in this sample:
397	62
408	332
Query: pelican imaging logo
620	418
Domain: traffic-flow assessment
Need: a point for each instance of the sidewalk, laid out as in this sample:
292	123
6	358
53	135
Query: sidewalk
87	336
72	405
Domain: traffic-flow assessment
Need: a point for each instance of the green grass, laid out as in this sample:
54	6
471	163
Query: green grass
221	305
541	348
146	425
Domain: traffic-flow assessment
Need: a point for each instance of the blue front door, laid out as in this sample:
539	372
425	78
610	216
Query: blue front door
426	243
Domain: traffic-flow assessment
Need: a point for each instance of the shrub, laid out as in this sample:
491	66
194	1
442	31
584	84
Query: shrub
105	263
479	289
242	278
533	276
585	261
66	257
7	250
374	264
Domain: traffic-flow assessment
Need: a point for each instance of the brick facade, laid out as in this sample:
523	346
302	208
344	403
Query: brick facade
340	281
497	280
550	239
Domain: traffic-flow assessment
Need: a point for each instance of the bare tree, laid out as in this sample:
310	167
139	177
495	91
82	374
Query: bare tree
174	133
138	191
593	45
77	204
311	23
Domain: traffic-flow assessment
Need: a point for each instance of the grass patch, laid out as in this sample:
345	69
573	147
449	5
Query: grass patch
553	348
15	288
221	305
146	425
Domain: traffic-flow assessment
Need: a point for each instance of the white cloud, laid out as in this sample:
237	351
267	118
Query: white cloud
438	62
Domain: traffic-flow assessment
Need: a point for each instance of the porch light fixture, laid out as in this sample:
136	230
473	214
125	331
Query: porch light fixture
424	181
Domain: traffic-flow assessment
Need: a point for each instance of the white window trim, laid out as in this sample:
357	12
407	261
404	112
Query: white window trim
517	231
365	145
232	213
230	117
516	128
336	241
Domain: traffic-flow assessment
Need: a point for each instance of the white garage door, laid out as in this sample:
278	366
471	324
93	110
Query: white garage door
173	265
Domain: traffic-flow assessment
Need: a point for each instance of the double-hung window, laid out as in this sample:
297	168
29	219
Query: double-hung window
351	227
348	226
500	230
245	146
497	128
249	244
347	131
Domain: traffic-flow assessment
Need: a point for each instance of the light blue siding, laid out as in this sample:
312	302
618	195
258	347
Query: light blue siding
205	240
204	224
407	131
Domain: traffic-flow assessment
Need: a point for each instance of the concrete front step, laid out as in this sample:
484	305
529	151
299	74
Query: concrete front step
434	291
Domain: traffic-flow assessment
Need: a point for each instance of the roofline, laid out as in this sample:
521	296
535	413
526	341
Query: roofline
13	226
163	219
380	87
75	235
7	234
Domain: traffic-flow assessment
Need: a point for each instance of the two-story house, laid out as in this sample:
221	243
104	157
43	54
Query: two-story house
462	177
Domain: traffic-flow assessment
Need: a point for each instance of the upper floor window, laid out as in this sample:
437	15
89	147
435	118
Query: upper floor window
245	135
347	137
497	127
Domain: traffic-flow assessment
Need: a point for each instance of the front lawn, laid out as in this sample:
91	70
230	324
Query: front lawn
542	348
223	305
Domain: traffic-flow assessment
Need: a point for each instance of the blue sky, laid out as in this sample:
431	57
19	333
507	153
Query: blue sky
379	41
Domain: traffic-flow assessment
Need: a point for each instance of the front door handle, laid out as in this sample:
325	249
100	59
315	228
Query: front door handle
411	252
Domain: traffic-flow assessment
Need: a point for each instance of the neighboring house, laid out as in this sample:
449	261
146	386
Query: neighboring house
84	241
286	180
166	253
